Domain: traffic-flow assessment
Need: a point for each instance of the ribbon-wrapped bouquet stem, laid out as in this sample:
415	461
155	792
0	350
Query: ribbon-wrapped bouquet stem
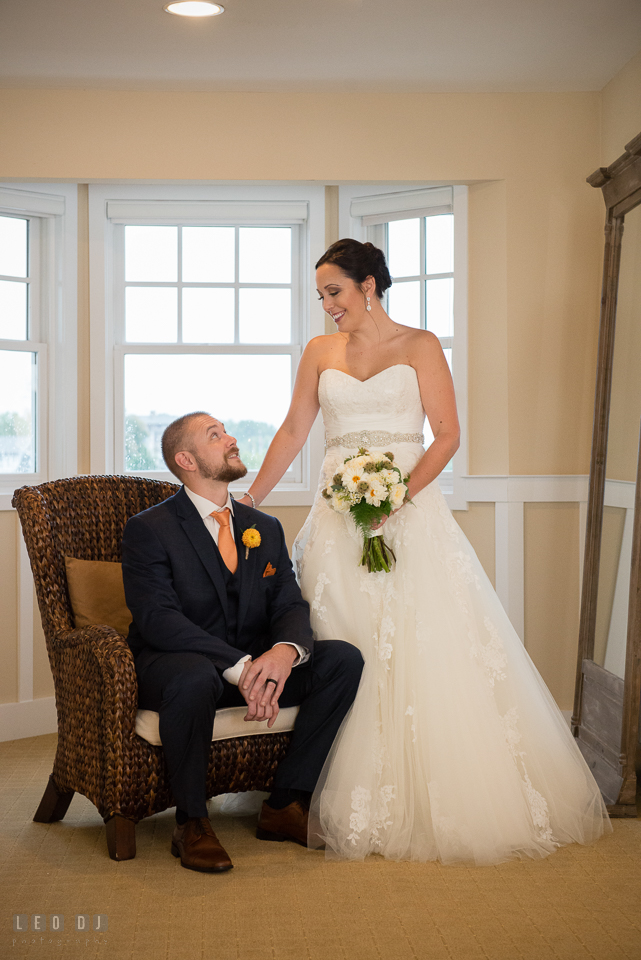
369	488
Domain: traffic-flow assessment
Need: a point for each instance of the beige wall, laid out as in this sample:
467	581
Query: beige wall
551	595
535	239
488	446
477	523
9	607
620	111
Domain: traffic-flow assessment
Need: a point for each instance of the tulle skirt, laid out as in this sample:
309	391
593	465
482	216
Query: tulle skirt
454	748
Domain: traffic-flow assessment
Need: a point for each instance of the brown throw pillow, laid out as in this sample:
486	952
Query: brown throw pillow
97	593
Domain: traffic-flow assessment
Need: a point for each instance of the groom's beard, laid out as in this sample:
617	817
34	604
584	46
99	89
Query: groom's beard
227	473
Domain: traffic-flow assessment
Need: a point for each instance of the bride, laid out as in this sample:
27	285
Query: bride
454	749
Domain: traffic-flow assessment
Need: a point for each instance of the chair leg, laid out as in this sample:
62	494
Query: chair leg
121	838
54	803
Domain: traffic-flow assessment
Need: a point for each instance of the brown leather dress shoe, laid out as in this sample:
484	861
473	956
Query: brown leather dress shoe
198	847
290	823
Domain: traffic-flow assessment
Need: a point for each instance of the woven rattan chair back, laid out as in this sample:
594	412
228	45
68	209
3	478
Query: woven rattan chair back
82	517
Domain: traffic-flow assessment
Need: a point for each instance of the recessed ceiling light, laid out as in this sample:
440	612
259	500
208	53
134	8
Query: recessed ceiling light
194	8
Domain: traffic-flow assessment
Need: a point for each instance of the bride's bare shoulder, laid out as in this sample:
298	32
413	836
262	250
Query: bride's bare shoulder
322	349
422	340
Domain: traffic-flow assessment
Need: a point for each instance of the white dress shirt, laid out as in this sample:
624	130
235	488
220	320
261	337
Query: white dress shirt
205	508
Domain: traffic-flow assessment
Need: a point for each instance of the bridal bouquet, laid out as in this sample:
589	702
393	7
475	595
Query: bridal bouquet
369	489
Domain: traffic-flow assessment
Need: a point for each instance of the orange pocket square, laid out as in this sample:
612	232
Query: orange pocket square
269	571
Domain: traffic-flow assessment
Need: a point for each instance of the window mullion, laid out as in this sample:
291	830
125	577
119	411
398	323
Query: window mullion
237	285
119	285
423	267
34	281
179	293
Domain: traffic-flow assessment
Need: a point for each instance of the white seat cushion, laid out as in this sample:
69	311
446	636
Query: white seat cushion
228	723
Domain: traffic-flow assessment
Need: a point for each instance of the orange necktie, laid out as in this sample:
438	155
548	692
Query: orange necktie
226	543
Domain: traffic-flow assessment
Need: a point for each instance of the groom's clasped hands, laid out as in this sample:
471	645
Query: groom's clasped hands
262	680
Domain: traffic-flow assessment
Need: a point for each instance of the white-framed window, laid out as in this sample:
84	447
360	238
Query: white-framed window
201	300
38	283
423	233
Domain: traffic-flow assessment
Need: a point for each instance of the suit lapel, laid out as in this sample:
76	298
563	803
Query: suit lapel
202	543
246	568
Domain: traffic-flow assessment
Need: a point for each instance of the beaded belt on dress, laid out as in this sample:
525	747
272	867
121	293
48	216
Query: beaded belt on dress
374	438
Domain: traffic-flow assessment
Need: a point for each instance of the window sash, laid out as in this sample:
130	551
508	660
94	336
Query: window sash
11	480
294	475
120	284
36	294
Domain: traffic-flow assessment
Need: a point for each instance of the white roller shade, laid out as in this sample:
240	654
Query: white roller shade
397	206
36	204
206	211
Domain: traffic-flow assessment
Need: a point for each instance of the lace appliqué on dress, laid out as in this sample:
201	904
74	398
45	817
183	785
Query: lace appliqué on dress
384	649
362	820
459	567
359	819
321	582
492	655
536	802
381	820
410	713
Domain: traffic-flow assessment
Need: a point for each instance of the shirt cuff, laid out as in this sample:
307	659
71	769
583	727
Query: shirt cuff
303	653
233	674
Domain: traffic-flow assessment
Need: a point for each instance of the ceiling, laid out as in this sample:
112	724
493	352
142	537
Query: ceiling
299	45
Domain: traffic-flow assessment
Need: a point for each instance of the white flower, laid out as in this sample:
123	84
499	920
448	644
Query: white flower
351	478
397	494
340	504
377	491
356	463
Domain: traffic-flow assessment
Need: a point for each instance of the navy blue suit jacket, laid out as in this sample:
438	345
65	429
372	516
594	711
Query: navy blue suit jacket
176	592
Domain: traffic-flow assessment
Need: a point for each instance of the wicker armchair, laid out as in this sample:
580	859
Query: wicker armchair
99	754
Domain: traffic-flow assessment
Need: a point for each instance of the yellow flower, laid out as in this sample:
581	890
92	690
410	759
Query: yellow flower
251	539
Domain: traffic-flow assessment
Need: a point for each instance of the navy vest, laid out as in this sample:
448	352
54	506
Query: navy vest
232	585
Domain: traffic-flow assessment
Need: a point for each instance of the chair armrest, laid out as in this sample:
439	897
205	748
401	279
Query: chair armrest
110	670
96	700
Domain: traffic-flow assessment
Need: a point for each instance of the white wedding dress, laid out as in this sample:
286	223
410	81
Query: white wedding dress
454	749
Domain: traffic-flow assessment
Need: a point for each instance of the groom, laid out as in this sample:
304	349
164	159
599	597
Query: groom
218	624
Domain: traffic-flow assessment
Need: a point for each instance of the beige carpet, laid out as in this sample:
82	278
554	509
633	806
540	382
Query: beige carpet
281	902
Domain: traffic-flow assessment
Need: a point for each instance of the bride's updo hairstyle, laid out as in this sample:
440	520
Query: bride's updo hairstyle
359	261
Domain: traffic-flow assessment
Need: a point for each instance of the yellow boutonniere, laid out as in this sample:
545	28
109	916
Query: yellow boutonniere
251	539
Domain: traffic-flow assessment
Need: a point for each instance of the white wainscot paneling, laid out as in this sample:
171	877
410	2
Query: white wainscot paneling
509	494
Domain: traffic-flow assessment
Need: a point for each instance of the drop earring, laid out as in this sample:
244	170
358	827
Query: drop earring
369	306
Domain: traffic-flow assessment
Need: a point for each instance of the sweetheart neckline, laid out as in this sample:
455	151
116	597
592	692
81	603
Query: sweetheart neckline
373	377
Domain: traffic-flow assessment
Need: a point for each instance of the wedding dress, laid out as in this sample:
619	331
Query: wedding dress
454	749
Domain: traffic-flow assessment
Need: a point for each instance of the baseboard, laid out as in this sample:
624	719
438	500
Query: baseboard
31	718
